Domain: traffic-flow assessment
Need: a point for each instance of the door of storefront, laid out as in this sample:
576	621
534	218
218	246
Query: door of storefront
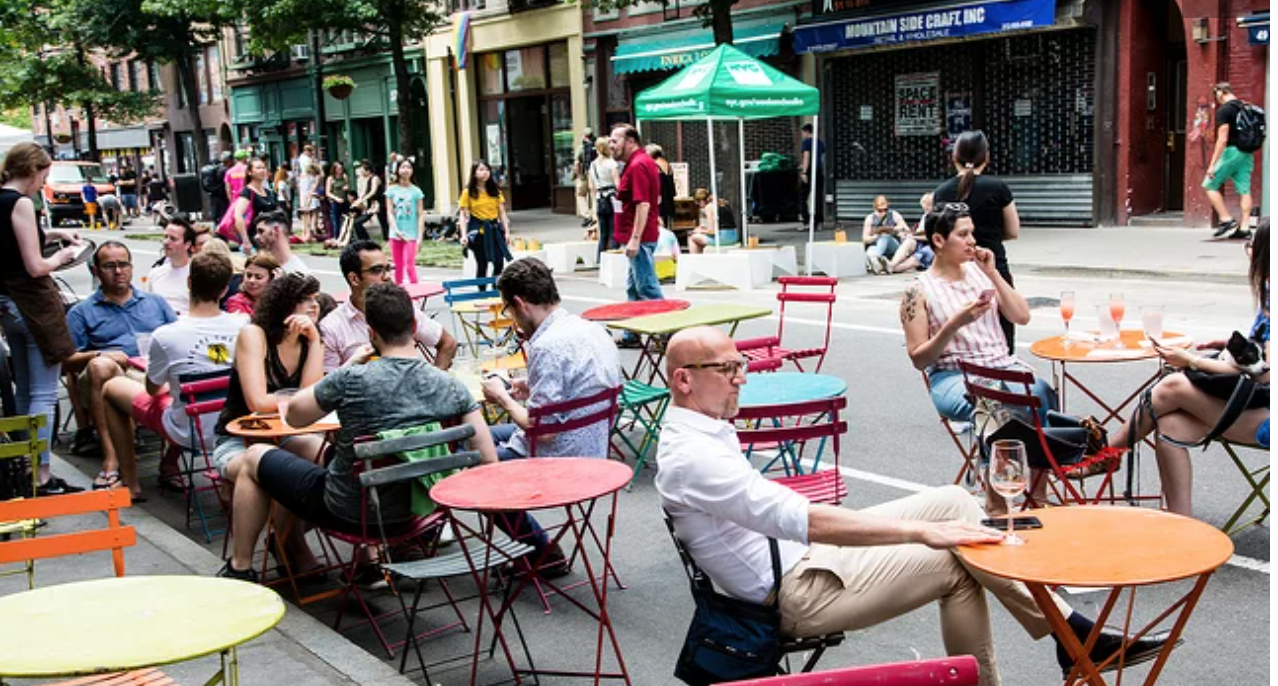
529	153
1177	71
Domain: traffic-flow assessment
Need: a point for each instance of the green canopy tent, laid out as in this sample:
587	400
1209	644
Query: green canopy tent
727	85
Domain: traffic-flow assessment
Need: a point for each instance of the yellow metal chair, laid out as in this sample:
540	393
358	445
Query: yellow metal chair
12	454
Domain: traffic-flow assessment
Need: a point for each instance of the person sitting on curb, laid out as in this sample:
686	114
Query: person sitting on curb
272	230
882	233
200	342
345	330
568	357
169	278
842	569
397	390
105	327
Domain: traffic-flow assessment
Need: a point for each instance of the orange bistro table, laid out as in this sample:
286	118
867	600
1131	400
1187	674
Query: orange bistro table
1119	548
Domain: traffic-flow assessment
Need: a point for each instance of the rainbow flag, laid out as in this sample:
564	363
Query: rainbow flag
462	35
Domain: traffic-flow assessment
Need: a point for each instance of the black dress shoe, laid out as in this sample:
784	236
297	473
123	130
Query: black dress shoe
1108	643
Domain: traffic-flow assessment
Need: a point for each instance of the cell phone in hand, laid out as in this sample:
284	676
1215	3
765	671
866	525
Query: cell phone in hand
1021	523
504	381
985	296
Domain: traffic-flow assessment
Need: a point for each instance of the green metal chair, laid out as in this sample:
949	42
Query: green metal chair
643	406
1257	478
17	457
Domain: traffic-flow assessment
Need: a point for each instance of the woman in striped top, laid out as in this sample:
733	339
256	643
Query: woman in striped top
951	313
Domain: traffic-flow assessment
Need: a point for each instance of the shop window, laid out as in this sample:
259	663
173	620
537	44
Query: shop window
559	65
215	73
526	69
115	75
134	84
494	137
153	77
562	137
490	73
201	79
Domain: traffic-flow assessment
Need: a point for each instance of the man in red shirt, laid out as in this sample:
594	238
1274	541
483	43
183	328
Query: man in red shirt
639	192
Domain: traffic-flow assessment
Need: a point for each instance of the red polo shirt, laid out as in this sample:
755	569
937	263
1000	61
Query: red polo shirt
640	182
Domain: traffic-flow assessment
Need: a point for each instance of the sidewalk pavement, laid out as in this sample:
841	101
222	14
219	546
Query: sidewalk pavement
300	650
1169	253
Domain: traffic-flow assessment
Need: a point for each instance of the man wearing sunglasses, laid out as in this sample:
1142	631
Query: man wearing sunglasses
842	569
345	330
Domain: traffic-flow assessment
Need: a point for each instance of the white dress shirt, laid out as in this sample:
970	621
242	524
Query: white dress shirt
723	509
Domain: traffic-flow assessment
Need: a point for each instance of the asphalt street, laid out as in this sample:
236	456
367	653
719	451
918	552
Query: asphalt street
894	446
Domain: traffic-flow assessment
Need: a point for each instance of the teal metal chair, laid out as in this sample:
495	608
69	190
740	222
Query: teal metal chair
468	326
640	406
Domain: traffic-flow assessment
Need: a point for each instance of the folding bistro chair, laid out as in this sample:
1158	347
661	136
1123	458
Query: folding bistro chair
548	420
642	406
18	462
963	435
114	537
771	347
436	568
1257	479
701	586
783	427
461	296
961	670
204	393
989	384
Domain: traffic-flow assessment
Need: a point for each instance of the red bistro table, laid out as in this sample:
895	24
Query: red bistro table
635	308
423	291
571	484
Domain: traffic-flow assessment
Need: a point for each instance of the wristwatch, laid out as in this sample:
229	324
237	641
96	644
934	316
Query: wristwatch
1193	363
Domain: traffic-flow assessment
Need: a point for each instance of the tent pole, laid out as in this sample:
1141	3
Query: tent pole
714	184
812	185
639	128
745	203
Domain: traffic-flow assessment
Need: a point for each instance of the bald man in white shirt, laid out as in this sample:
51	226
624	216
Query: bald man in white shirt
842	569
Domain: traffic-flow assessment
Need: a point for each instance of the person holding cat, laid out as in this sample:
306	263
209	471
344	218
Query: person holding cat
1184	407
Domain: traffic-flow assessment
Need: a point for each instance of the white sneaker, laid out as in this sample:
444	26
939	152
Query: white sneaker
884	267
870	266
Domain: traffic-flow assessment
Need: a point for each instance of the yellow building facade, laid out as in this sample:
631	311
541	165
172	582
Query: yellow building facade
519	104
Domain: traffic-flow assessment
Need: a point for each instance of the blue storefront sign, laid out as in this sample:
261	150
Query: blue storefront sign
924	25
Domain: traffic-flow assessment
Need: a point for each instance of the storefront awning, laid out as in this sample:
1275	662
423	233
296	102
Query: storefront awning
1257	26
678	49
952	21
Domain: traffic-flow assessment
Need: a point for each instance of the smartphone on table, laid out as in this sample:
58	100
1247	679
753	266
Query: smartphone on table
1020	523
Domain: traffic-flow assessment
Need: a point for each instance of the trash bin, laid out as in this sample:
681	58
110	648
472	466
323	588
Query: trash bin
187	196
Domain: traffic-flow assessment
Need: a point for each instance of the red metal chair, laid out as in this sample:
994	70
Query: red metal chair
961	670
979	381
769	347
546	421
204	394
963	435
783	427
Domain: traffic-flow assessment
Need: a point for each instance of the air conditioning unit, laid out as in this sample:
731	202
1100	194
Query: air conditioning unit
300	52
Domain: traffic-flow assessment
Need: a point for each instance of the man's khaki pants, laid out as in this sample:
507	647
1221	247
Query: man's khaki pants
845	589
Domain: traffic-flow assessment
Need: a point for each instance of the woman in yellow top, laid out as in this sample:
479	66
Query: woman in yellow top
483	213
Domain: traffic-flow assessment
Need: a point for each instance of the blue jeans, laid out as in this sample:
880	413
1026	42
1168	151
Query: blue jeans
642	283
517	525
36	383
949	395
885	246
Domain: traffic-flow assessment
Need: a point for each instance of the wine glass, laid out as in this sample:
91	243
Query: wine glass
1116	309
1008	474
1067	311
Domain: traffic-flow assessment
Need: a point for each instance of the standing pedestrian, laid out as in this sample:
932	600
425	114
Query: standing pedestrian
235	177
128	190
639	190
307	198
32	314
990	203
338	191
603	191
212	180
408	212
580	171
1232	160
256	198
667	207
486	225
805	169
283	189
368	188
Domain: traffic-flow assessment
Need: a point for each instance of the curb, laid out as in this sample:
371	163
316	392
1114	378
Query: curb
327	645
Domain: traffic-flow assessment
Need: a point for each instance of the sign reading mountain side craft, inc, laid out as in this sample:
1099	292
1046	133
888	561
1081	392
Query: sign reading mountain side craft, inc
918	104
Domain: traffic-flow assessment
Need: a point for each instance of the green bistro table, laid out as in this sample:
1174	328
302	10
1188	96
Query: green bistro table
128	623
654	330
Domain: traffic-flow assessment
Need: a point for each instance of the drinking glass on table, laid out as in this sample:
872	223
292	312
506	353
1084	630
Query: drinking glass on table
144	346
1108	329
1067	311
282	397
1116	309
1151	320
1008	474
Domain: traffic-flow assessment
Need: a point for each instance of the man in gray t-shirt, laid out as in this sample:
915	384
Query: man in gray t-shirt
397	390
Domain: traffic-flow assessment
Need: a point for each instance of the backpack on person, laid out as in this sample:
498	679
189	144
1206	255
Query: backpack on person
211	178
1249	127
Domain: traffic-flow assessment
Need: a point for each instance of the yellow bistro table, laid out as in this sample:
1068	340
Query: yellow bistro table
128	623
655	329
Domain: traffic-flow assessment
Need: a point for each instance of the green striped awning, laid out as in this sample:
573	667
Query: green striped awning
676	50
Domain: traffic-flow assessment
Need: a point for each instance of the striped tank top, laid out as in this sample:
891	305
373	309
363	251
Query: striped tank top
980	342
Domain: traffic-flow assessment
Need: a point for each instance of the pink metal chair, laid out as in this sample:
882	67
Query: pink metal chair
784	427
204	394
769	347
947	671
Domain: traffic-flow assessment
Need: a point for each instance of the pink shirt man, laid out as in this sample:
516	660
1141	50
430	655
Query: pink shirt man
345	331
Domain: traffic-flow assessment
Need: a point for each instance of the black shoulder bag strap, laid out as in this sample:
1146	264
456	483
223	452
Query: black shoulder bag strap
774	598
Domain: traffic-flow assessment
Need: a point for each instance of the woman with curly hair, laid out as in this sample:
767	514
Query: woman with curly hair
279	349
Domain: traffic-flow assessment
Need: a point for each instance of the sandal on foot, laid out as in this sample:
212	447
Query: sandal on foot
172	483
106	479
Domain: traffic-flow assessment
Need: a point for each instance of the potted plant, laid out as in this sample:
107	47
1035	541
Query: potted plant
339	86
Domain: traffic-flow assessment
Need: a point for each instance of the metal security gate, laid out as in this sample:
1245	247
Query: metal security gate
1032	94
